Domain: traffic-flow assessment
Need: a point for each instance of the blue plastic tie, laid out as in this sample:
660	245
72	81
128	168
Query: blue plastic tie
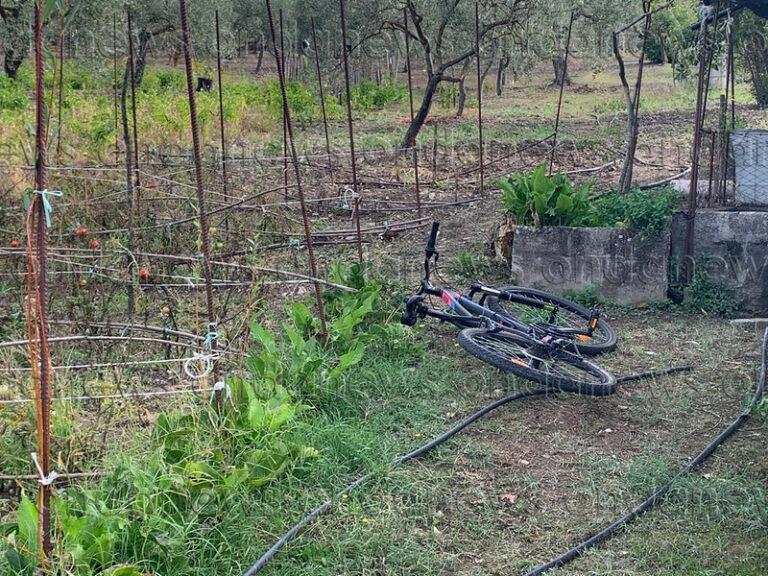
47	203
211	336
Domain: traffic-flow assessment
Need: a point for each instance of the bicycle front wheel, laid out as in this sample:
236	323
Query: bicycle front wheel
569	315
522	356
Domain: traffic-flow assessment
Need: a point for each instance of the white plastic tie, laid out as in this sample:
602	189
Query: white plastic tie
199	365
218	387
44	480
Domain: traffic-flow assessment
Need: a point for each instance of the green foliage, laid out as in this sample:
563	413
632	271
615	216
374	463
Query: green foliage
589	297
368	95
536	199
704	295
301	362
12	95
646	211
470	265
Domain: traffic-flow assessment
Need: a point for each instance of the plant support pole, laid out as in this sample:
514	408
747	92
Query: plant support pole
322	98
562	90
355	186
212	336
37	299
133	114
297	171
221	107
696	156
479	96
410	99
285	128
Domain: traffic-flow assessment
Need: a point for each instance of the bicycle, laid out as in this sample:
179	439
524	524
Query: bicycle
540	350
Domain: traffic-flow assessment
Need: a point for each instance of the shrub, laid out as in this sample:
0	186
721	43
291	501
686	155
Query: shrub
646	211
368	95
12	96
706	295
536	199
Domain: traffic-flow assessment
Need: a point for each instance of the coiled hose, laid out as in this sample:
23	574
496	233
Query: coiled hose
432	444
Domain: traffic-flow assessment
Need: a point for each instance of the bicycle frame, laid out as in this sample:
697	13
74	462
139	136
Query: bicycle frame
466	313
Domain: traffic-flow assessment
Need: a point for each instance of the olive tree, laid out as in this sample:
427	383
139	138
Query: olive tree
445	34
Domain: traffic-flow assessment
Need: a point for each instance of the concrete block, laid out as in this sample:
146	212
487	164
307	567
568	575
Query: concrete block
625	269
736	245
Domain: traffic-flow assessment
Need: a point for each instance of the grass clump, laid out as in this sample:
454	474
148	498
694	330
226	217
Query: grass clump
703	294
589	297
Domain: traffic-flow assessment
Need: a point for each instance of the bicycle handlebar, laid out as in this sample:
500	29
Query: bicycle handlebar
432	239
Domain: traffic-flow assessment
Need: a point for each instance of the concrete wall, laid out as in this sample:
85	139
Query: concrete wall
626	269
736	244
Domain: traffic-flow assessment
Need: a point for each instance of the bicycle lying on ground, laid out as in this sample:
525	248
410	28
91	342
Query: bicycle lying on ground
529	333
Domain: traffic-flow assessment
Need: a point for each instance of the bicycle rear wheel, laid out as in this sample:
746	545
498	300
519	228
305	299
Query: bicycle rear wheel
569	315
555	368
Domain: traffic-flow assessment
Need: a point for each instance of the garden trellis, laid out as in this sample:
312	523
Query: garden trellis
186	245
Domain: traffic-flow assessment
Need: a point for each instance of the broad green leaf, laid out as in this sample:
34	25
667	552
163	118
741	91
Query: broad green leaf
27	520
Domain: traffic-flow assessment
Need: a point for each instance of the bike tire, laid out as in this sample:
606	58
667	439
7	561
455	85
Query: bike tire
564	371
576	316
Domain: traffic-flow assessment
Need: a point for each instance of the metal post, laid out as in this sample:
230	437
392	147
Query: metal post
300	190
114	58
696	154
210	304
351	130
133	113
61	88
38	282
221	107
322	98
479	97
562	90
285	127
415	151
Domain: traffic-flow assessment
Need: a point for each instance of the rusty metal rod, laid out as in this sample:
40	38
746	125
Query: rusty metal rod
221	107
562	90
479	96
136	166
297	171
38	321
114	62
410	100
210	303
696	156
285	128
322	99
356	188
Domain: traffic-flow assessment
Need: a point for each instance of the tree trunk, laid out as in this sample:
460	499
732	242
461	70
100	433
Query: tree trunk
561	74
485	72
13	60
501	74
259	58
421	115
462	98
145	36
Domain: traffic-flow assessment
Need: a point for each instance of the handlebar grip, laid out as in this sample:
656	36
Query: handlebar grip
433	237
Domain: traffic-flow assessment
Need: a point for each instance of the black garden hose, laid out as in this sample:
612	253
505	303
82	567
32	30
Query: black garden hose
606	533
432	444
